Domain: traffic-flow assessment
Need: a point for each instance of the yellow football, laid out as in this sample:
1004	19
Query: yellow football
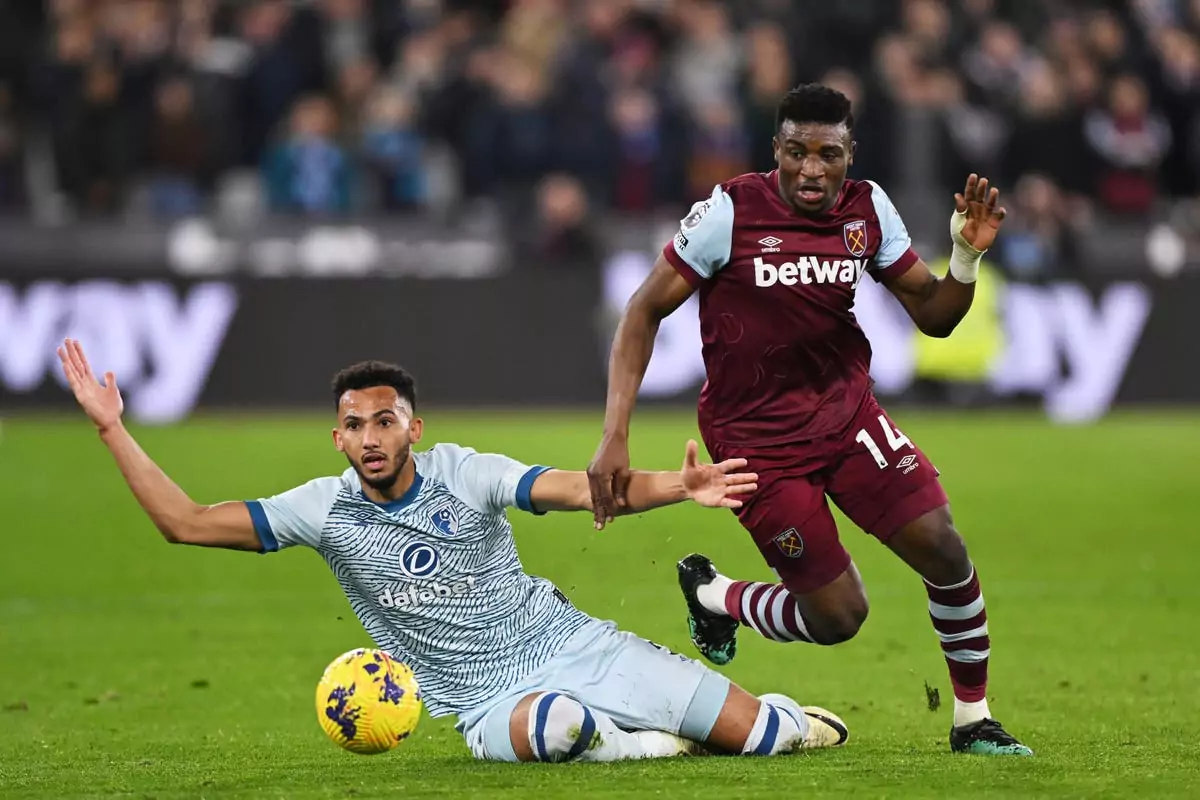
367	702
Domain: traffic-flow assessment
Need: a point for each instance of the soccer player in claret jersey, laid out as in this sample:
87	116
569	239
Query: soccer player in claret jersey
421	546
776	258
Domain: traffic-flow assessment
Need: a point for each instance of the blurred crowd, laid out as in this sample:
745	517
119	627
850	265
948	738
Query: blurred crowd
117	107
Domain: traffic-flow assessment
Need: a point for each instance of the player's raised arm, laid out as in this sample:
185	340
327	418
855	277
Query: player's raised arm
177	516
713	485
936	305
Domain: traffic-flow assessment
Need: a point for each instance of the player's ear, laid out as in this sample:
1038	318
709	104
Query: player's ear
337	441
853	150
415	429
775	147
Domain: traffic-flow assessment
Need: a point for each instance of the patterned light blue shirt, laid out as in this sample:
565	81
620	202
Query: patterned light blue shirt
434	577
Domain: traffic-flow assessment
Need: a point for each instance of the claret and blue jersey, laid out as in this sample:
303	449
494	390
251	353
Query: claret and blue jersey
785	358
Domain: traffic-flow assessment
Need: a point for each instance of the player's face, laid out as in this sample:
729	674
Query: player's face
376	429
813	160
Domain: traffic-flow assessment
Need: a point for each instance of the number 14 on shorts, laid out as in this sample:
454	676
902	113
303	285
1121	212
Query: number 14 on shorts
895	440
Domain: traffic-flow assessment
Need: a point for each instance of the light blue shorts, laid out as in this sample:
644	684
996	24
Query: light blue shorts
638	684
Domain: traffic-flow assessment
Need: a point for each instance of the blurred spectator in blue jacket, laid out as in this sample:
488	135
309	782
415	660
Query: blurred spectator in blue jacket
309	172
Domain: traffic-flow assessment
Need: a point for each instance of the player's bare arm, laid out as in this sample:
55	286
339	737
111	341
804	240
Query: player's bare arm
936	305
180	519
663	291
712	485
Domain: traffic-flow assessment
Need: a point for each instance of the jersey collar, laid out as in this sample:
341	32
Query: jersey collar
402	502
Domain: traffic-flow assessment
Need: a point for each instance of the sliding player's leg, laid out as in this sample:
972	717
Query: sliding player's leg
553	726
622	697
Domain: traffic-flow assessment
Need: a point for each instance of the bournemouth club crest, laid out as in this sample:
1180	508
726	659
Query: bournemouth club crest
790	543
445	519
855	236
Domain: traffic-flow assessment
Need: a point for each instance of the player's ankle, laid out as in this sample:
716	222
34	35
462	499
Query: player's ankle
968	712
711	595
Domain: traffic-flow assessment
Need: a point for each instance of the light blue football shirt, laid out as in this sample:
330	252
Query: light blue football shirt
434	577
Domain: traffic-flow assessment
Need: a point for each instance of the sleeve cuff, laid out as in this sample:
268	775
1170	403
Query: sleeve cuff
694	279
898	267
262	526
525	488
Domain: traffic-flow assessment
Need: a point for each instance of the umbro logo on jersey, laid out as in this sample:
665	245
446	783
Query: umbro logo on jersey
770	244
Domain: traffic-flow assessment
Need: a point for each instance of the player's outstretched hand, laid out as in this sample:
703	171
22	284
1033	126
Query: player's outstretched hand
608	479
100	401
977	214
716	485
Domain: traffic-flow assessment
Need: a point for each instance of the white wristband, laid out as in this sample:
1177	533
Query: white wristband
964	263
964	259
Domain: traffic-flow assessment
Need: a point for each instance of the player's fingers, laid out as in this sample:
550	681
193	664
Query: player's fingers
73	356
604	508
601	497
743	488
85	369
72	367
1000	213
993	199
981	190
969	190
730	502
689	453
960	203
741	477
732	464
604	505
110	380
621	488
68	369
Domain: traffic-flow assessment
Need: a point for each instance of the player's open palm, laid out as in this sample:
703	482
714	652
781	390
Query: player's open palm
716	485
100	401
977	214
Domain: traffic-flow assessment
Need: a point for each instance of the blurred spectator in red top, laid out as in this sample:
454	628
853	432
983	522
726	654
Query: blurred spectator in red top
1129	141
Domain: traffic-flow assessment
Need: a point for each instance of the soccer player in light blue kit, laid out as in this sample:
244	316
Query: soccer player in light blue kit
425	554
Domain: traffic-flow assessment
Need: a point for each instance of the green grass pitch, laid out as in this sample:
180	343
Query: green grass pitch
135	669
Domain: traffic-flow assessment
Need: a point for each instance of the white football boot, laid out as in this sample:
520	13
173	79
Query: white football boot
825	729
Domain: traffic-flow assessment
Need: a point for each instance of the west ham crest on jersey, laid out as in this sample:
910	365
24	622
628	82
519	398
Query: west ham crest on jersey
790	543
855	235
445	519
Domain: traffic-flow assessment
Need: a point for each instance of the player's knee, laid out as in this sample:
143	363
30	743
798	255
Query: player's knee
559	728
841	622
933	546
948	558
839	627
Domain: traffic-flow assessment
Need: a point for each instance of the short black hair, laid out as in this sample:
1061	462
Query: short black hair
815	102
369	374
